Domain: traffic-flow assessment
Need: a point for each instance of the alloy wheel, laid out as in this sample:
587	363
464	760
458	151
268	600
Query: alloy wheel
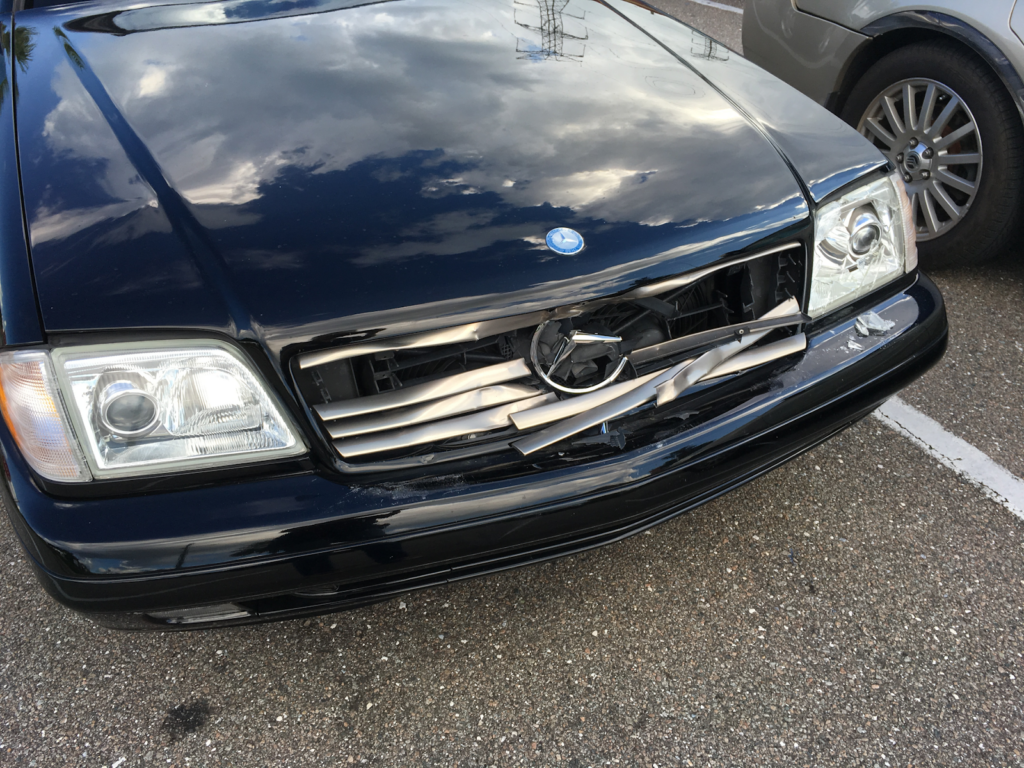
930	134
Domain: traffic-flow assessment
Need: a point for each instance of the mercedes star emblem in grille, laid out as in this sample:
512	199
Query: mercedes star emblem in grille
574	360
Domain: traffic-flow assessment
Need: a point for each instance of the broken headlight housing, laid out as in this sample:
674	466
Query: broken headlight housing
862	240
119	410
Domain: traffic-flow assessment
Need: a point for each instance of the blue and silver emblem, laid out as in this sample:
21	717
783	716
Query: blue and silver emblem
565	241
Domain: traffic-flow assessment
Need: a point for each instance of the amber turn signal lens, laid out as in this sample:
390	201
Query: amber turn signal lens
35	415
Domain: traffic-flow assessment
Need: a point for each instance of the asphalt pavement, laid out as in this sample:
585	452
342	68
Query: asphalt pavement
860	606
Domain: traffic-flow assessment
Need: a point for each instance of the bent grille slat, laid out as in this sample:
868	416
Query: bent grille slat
563	409
752	358
694	340
544	409
691	277
481	421
452	335
691	372
421	393
465	402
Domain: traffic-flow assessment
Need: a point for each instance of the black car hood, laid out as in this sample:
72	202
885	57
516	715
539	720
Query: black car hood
286	171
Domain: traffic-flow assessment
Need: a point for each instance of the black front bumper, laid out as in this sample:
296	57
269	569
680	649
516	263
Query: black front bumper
310	543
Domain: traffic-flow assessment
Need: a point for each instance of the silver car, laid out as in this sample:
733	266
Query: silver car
936	86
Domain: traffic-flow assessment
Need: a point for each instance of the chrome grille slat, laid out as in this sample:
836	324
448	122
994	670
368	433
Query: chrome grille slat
627	401
694	340
465	402
421	393
452	335
481	421
563	409
752	358
545	409
704	365
691	277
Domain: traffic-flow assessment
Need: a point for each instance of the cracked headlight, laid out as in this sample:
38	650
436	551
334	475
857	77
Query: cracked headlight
143	408
862	240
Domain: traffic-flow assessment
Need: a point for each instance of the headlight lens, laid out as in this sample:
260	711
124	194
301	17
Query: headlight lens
149	408
862	240
160	408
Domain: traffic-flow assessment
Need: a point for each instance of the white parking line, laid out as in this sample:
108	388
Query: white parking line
719	6
974	466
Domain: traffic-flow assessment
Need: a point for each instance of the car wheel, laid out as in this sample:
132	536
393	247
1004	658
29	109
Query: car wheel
947	123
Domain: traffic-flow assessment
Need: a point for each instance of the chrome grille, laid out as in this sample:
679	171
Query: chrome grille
473	389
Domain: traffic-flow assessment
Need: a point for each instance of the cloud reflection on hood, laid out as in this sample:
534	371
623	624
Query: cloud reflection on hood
381	81
412	134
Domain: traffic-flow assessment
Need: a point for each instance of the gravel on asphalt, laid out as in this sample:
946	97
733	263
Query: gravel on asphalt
977	391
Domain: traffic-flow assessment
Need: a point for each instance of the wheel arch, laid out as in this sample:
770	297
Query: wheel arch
901	29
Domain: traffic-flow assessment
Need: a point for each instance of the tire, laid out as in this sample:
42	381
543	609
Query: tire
961	221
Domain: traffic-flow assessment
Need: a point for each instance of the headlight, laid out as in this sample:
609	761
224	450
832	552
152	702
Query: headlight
143	409
862	240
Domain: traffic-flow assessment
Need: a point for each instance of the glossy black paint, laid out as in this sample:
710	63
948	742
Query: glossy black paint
273	537
329	170
822	150
18	311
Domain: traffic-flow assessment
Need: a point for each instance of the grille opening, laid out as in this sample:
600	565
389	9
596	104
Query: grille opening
388	371
417	406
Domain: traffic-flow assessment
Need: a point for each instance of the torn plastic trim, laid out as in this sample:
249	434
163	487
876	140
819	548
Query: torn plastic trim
872	324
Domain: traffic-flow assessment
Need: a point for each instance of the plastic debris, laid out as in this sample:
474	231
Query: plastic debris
615	438
872	324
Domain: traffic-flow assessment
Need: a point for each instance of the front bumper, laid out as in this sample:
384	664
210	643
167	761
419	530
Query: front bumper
310	543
